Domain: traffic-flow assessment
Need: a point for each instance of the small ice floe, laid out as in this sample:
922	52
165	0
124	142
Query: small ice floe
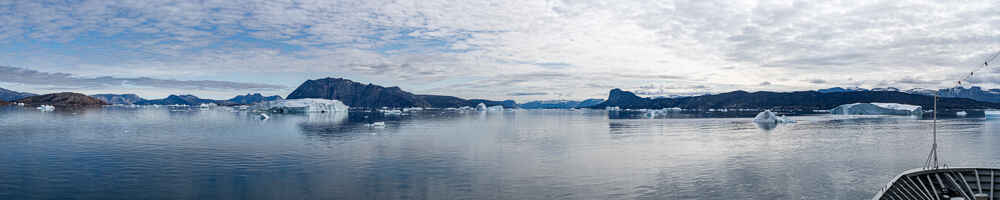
413	109
768	117
46	108
992	114
961	113
263	116
391	112
613	108
376	125
20	104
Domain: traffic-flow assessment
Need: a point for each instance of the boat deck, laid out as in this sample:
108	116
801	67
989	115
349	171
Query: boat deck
943	183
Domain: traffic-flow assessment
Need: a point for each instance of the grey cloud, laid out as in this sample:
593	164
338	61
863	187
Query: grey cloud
816	81
765	83
33	77
916	81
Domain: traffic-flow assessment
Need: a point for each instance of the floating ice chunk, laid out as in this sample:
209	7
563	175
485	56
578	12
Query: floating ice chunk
413	109
768	117
992	114
391	112
20	104
302	106
961	113
206	106
495	108
877	109
46	108
613	108
481	107
376	125
263	116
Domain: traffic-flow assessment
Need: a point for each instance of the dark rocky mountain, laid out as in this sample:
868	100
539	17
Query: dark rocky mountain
8	95
840	89
126	99
589	103
560	104
974	93
356	94
190	100
62	99
803	100
251	99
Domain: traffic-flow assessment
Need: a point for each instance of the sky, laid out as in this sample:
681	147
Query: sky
508	49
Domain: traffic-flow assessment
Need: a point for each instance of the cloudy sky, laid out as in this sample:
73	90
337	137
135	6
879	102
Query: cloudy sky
508	49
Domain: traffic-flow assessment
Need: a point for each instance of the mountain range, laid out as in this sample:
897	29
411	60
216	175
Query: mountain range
802	100
356	94
973	92
251	99
560	104
8	95
119	98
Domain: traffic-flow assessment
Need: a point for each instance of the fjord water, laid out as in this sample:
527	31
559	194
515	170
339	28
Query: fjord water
119	153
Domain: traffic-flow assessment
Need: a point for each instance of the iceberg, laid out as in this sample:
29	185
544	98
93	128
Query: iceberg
302	106
877	109
768	117
46	108
613	108
481	107
495	108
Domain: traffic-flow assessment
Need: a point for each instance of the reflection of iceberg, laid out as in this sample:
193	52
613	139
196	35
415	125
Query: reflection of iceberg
768	117
877	109
302	106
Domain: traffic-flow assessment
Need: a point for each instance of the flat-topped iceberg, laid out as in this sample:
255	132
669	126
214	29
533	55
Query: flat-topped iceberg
768	117
302	106
877	109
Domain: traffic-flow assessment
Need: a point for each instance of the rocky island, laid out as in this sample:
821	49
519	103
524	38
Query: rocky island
356	94
66	99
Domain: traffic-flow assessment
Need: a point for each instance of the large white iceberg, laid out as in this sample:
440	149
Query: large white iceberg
768	117
877	109
481	107
302	106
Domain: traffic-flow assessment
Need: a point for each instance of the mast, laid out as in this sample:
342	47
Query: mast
932	158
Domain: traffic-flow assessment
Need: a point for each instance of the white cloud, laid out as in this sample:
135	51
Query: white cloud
487	49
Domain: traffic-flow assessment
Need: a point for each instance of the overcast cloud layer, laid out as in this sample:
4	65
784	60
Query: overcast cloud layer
518	50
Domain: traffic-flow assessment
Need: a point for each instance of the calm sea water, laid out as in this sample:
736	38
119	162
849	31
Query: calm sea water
117	153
